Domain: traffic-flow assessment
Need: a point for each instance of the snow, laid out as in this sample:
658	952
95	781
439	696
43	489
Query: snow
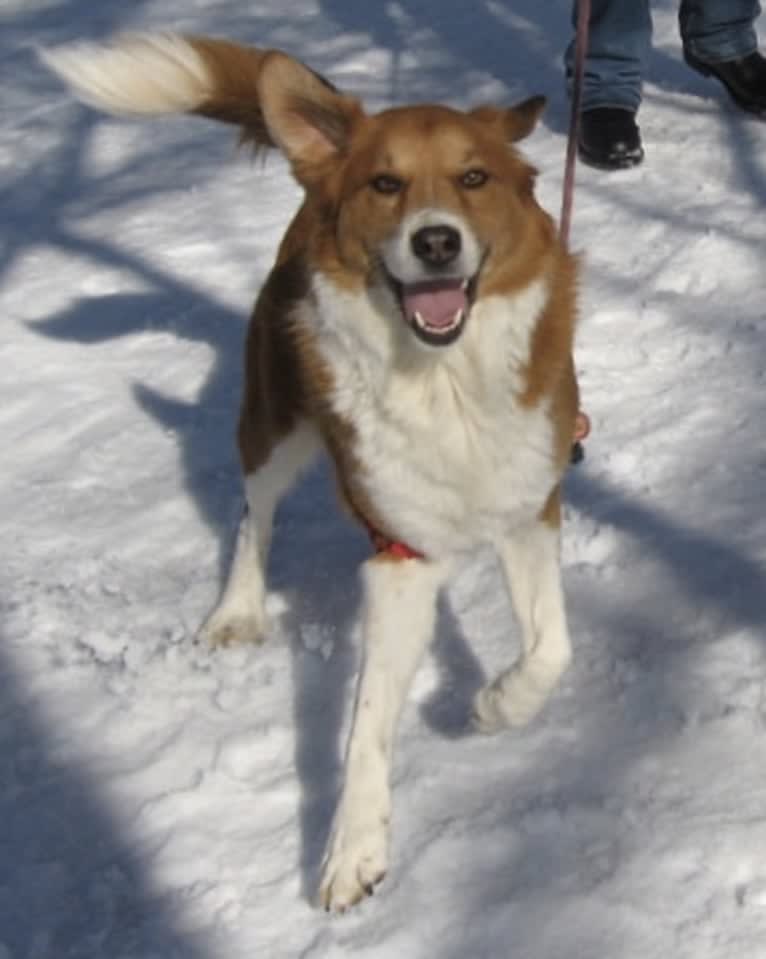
160	800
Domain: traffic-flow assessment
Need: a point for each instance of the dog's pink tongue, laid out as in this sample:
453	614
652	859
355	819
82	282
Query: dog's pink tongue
436	301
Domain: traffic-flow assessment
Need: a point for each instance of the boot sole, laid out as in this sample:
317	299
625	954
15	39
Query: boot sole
626	162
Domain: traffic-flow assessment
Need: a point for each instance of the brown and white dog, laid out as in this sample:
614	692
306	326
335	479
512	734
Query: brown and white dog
418	326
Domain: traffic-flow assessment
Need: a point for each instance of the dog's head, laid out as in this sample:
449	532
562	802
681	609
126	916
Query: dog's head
431	205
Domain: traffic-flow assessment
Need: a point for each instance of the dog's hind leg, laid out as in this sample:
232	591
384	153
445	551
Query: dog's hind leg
532	566
400	608
239	615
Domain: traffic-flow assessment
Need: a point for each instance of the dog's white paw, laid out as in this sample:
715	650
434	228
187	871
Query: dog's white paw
512	700
356	861
224	629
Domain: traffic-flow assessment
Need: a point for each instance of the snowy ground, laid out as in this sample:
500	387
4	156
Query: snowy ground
159	801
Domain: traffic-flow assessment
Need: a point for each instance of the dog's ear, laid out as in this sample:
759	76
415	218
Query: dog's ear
516	122
521	119
306	117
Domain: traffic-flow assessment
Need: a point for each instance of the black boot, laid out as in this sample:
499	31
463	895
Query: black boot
609	138
744	79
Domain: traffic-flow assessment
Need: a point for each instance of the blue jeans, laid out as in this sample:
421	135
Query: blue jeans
621	34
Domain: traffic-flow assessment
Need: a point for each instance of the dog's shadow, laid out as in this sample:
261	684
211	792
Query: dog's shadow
447	711
204	428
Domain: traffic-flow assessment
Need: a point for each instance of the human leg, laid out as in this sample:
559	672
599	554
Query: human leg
619	35
715	31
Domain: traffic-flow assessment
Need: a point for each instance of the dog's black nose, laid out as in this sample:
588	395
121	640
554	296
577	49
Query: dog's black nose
436	245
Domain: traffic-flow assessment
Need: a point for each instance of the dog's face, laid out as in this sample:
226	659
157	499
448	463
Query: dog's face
428	201
430	205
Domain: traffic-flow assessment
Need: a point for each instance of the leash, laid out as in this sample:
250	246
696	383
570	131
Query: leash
567	198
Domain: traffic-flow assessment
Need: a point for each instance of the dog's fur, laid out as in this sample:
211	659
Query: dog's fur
418	325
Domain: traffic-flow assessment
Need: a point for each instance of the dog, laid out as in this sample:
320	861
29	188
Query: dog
418	326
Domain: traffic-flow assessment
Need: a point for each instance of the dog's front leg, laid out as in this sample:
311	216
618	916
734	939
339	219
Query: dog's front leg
400	607
240	614
532	566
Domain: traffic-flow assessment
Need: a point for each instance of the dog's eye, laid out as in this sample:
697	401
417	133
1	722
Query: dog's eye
386	183
474	178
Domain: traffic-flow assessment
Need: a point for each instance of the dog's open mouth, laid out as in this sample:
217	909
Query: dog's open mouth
436	310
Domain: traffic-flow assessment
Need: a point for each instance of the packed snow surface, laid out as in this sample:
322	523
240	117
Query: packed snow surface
159	800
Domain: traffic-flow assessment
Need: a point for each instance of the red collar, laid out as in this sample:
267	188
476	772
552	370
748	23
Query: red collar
384	546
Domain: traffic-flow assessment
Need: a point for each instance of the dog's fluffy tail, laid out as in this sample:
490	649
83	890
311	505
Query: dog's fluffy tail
154	74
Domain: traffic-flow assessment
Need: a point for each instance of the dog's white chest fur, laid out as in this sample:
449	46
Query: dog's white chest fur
449	457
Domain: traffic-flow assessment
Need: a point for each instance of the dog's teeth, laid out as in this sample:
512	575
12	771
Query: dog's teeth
456	320
464	285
